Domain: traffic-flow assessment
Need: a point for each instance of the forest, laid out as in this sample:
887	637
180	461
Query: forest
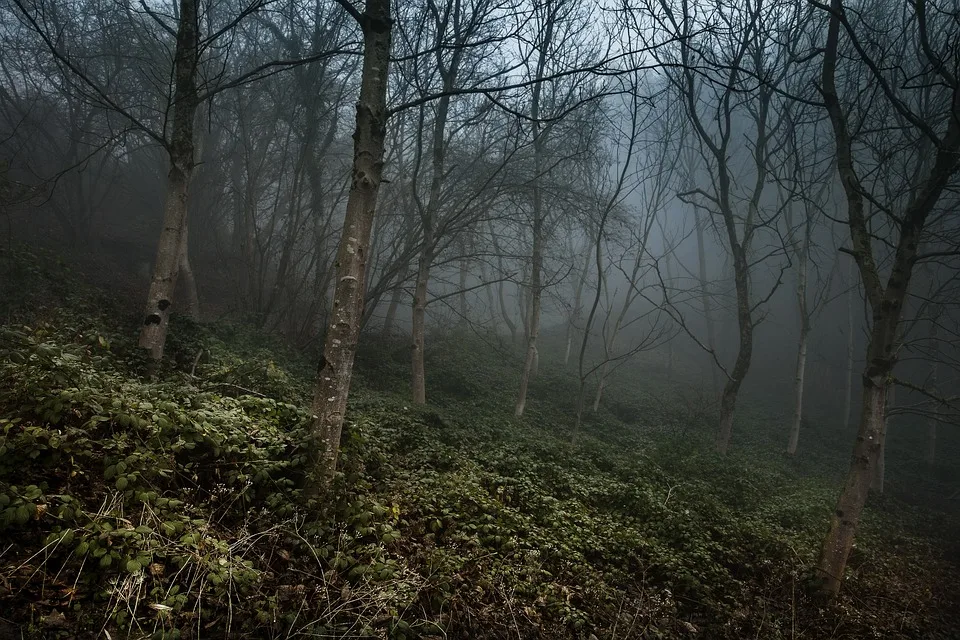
480	319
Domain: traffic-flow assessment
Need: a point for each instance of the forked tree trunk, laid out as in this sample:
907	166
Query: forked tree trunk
428	218
166	267
532	360
886	302
335	370
533	324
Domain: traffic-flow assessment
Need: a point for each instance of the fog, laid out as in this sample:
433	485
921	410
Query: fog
755	205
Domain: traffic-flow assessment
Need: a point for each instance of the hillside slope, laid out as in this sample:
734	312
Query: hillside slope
170	508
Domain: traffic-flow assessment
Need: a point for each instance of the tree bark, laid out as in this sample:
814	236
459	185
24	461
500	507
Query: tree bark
192	307
166	267
335	370
848	394
705	302
886	302
728	400
880	469
531	362
932	420
418	381
846	515
798	389
533	324
391	316
576	311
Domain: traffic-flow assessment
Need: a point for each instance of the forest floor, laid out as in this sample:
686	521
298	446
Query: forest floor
169	507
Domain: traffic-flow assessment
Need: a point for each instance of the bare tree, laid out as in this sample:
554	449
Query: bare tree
335	370
717	57
929	124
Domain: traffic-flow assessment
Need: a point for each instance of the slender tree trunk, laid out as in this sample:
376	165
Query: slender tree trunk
335	370
880	469
705	304
533	324
464	272
798	383
848	394
166	267
669	264
531	362
728	401
932	420
418	378
391	316
843	522
192	308
491	306
576	311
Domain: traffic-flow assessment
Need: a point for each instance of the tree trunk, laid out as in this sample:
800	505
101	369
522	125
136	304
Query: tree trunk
843	522
335	370
418	382
391	316
848	395
933	419
533	325
886	302
575	312
705	302
880	469
166	267
192	308
798	389
601	385
669	265
464	272
728	401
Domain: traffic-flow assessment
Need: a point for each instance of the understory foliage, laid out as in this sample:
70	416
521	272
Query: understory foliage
168	506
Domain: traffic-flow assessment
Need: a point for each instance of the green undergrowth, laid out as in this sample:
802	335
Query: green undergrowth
169	506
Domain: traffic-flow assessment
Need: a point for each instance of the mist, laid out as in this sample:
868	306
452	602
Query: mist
397	300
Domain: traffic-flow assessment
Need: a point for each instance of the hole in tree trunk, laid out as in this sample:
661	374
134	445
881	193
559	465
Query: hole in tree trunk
153	318
163	304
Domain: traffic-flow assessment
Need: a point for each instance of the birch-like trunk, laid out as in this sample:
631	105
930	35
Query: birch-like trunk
335	370
166	267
